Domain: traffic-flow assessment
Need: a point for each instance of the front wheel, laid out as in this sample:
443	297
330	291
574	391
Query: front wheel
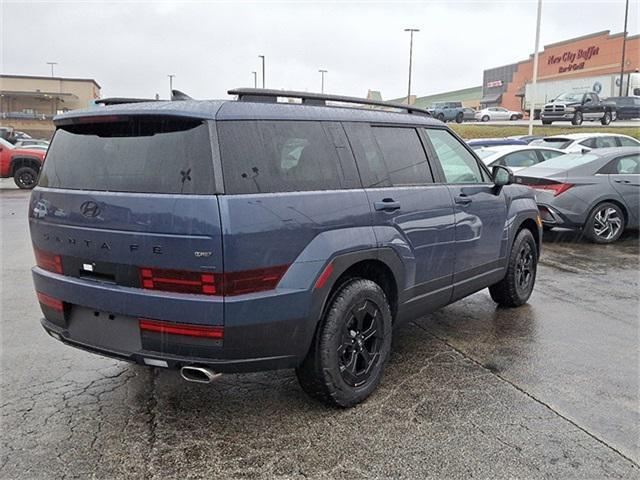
605	223
577	119
351	346
441	117
485	118
513	117
459	117
606	119
547	122
26	177
516	287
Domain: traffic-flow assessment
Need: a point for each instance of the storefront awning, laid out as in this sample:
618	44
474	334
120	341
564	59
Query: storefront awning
491	98
520	93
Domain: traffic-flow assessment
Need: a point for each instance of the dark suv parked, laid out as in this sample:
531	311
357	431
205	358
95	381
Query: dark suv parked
234	236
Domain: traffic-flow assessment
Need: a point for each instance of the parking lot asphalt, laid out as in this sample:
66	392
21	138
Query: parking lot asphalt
549	390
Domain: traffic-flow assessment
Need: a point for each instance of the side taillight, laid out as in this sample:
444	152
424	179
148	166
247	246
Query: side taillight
48	261
556	188
205	283
50	302
187	330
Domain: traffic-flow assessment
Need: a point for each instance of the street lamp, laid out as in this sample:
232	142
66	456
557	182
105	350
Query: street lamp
170	85
624	45
535	70
322	72
255	79
263	82
411	31
52	64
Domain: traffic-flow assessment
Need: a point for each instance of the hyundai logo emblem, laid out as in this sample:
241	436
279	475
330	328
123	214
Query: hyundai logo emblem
90	209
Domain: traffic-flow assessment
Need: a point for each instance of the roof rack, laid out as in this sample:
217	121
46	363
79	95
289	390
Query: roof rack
319	99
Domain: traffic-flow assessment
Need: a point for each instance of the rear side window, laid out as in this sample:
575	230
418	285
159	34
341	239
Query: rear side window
389	156
277	156
142	155
458	165
548	154
628	142
606	142
525	158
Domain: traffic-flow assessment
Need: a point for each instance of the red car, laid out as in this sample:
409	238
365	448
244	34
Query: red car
20	163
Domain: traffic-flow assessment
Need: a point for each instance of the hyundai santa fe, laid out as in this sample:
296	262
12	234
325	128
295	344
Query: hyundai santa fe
243	235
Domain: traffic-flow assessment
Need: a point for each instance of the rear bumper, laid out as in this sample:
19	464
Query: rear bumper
154	358
552	216
262	331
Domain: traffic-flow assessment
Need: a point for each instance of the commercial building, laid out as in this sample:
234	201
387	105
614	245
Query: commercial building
469	97
595	55
29	103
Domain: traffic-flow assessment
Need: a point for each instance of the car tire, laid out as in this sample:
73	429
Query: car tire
26	178
577	119
440	117
547	122
516	287
459	117
605	223
335	369
513	117
485	118
606	119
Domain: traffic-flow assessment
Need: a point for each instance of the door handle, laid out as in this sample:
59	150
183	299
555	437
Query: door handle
622	181
463	200
386	205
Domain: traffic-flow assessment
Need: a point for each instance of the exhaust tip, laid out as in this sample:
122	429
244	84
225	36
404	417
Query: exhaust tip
198	374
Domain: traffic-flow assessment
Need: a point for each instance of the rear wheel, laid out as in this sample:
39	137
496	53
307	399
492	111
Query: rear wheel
459	117
606	119
351	346
25	177
547	122
605	223
516	287
577	119
514	117
441	117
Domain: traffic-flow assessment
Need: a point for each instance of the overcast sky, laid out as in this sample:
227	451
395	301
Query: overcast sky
130	47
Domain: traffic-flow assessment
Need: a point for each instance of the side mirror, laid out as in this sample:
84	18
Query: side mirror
585	150
502	176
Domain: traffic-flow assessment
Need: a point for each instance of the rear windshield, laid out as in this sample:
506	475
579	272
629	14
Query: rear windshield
133	154
553	142
569	161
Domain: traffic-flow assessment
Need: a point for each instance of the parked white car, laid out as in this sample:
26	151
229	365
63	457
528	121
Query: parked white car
585	142
497	113
516	157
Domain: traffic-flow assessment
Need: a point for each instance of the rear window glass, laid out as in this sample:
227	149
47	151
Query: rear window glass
142	155
569	161
553	142
277	156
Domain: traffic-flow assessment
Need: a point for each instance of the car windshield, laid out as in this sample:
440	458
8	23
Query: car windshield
569	161
6	144
569	97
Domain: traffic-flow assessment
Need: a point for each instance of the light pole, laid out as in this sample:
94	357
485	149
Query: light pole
624	44
255	79
411	31
170	85
263	82
535	70
322	72
52	64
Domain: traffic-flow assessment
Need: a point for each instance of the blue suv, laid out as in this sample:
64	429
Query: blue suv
234	236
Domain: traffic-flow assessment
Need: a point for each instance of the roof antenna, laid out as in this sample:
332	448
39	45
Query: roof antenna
178	95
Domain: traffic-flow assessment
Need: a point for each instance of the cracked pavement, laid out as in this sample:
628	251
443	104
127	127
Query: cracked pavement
549	390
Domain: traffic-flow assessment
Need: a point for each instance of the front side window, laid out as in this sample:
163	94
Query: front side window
605	142
277	156
458	165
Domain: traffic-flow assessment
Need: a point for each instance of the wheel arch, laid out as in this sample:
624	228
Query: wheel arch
531	225
24	161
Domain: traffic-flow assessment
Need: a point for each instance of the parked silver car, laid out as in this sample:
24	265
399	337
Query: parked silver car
598	192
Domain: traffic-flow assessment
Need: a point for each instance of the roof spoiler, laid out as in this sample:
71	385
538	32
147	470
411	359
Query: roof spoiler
176	95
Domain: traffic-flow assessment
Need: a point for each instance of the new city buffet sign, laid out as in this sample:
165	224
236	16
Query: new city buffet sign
573	59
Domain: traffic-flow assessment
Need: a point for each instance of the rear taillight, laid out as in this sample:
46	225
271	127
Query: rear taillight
227	284
50	302
48	261
556	188
187	330
179	281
